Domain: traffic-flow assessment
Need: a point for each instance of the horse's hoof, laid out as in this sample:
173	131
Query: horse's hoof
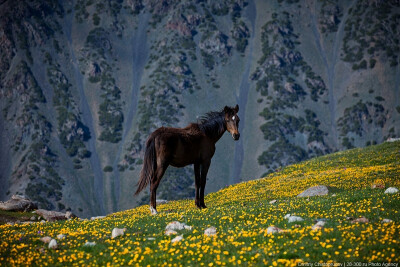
203	206
153	211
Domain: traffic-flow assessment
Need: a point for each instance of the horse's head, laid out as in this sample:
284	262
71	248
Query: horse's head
232	121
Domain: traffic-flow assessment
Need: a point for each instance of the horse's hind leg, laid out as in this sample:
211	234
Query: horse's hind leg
154	185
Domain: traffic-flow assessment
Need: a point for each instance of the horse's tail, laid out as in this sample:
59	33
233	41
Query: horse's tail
149	165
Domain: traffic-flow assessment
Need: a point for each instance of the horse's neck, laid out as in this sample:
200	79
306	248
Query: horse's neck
217	136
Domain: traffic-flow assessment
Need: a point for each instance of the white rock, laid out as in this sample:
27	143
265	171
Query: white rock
117	232
53	244
60	236
273	230
33	218
386	221
391	190
210	231
318	226
170	232
273	201
177	226
45	239
292	218
97	217
90	244
177	239
151	238
295	219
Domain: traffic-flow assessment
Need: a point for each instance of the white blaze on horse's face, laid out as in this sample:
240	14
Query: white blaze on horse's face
232	126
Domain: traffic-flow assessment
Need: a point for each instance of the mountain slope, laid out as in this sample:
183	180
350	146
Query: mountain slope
242	214
83	84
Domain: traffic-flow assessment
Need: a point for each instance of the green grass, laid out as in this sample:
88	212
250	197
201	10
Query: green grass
10	216
242	213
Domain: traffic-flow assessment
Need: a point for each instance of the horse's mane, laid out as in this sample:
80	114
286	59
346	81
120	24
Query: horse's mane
212	123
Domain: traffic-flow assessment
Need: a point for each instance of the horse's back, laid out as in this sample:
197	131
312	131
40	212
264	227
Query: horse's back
179	146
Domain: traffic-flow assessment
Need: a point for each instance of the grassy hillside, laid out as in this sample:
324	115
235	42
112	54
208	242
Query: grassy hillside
241	214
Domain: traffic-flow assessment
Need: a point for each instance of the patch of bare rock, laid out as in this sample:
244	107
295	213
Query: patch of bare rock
52	216
319	190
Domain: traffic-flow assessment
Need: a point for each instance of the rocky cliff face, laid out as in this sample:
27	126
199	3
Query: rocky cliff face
83	83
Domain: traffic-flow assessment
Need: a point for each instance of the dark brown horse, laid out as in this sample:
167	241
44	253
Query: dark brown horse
194	144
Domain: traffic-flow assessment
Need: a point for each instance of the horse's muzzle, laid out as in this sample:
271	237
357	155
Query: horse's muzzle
236	136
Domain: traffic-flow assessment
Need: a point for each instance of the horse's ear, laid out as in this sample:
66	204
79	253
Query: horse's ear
226	109
237	108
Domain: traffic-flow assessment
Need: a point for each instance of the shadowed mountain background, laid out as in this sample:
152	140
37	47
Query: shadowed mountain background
83	83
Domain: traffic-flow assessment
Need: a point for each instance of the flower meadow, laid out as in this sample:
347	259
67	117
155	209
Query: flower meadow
241	214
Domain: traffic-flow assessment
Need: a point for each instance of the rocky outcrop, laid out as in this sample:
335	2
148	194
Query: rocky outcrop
184	25
329	17
135	5
240	31
216	44
52	216
18	203
7	52
160	8
94	70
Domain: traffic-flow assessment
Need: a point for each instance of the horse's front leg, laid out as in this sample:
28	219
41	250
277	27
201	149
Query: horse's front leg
197	184
203	180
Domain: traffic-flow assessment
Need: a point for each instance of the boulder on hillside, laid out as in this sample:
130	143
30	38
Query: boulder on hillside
18	203
318	226
319	190
177	239
273	230
53	244
360	220
117	232
52	216
177	226
292	218
391	190
211	231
